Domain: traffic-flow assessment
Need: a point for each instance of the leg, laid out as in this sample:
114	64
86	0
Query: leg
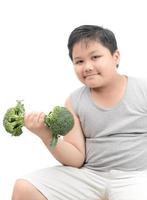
128	185
23	190
60	182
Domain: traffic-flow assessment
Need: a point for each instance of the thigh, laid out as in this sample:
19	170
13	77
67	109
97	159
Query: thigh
64	183
132	186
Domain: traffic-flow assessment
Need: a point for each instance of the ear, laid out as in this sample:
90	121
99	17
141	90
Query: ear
116	57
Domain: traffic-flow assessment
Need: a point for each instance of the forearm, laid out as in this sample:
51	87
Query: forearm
69	151
65	152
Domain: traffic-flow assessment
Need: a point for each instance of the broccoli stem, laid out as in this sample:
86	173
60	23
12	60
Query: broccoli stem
54	141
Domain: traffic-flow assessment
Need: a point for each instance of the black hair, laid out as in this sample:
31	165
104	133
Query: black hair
95	33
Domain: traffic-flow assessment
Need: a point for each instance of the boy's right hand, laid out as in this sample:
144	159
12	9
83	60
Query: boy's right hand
35	123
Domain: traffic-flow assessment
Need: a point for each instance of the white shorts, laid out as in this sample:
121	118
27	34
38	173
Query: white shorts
69	183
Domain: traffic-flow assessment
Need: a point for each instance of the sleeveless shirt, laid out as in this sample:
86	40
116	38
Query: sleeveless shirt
116	138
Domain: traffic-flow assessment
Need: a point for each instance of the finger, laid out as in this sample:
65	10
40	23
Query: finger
41	117
30	118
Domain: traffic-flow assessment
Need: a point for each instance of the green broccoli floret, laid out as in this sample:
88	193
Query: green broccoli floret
14	119
60	121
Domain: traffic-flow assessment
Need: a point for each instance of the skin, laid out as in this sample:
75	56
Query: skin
95	67
69	151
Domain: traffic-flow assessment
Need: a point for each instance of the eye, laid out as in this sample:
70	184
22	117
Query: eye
78	62
95	57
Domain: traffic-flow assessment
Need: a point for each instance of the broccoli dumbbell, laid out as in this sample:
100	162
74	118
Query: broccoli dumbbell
60	121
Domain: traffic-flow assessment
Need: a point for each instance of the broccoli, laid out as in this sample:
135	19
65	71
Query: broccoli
60	121
14	119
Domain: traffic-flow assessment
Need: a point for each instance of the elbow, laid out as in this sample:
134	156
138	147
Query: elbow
79	162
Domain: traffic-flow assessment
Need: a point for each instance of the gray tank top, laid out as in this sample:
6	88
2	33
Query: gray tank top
116	138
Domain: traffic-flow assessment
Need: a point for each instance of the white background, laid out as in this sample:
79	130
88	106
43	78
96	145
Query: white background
35	67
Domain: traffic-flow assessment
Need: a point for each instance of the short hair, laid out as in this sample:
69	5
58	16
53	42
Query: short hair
92	33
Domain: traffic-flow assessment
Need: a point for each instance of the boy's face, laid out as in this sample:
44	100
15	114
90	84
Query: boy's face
94	64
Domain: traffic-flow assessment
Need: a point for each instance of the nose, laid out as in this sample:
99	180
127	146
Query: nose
88	67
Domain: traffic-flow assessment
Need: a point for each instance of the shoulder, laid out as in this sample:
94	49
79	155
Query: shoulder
76	97
138	85
79	91
139	82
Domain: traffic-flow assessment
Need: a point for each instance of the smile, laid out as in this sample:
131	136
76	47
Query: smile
90	75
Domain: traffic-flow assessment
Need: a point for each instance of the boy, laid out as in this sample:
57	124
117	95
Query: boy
105	155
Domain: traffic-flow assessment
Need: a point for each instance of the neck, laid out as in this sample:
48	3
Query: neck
116	83
112	93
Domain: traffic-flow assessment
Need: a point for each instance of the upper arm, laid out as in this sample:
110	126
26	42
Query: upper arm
75	136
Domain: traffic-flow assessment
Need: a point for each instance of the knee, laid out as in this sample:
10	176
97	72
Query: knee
21	190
